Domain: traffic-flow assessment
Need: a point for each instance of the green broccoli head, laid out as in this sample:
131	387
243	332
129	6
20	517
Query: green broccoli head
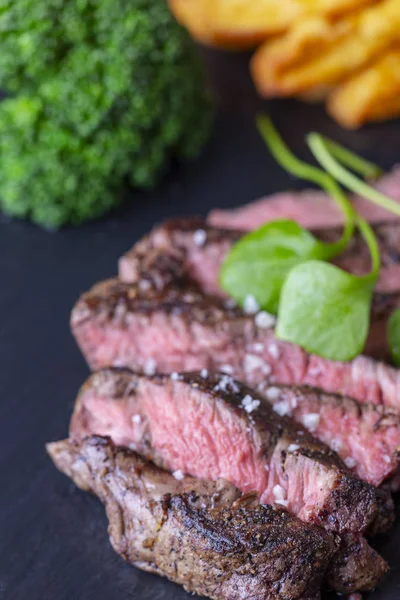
99	92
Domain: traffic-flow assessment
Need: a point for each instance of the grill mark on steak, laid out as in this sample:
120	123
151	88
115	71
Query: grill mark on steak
201	427
195	533
181	329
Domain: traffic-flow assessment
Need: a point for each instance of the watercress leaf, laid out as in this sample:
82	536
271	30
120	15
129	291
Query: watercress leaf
259	263
325	310
394	336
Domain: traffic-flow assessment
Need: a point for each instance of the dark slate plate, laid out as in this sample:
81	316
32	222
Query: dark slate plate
53	539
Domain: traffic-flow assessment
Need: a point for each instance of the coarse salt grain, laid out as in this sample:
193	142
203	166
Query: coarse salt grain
228	369
274	351
387	459
253	406
178	475
336	444
273	393
258	347
247	400
204	373
293	447
264	320
253	362
250	305
284	503
350	462
200	237
144	285
150	367
278	492
136	419
311	421
282	408
174	376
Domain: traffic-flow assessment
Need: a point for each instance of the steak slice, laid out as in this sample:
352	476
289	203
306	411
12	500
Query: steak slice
366	436
200	534
187	248
180	329
215	428
311	208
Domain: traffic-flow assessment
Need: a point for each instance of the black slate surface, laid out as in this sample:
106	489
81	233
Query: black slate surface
53	539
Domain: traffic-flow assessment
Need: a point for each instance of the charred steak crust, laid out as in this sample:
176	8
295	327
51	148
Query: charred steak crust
269	440
231	551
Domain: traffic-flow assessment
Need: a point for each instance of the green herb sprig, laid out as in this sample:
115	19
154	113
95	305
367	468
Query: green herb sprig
261	260
320	307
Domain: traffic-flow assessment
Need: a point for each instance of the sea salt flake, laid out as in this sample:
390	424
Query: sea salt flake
253	406
258	347
336	444
311	421
350	462
253	362
273	393
150	367
144	285
284	503
200	237
136	419
178	475
282	408
274	351
278	492
247	400
387	459
204	373
264	320
293	447
250	305
174	376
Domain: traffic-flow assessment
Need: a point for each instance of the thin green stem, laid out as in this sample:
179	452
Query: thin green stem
372	243
365	168
321	152
301	169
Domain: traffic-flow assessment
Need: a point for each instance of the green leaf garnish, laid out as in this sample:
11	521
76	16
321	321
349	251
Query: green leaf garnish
259	263
394	336
325	310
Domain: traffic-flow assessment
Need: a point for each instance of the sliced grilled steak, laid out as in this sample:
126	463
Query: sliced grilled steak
202	249
198	534
366	436
188	249
311	208
214	428
180	329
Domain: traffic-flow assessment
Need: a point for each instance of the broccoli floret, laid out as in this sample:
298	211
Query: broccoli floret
99	92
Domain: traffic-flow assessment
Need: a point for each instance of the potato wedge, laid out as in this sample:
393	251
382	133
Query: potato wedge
320	52
371	95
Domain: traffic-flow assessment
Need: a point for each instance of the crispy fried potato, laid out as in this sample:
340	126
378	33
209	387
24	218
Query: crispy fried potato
371	95
238	24
252	21
320	52
193	15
